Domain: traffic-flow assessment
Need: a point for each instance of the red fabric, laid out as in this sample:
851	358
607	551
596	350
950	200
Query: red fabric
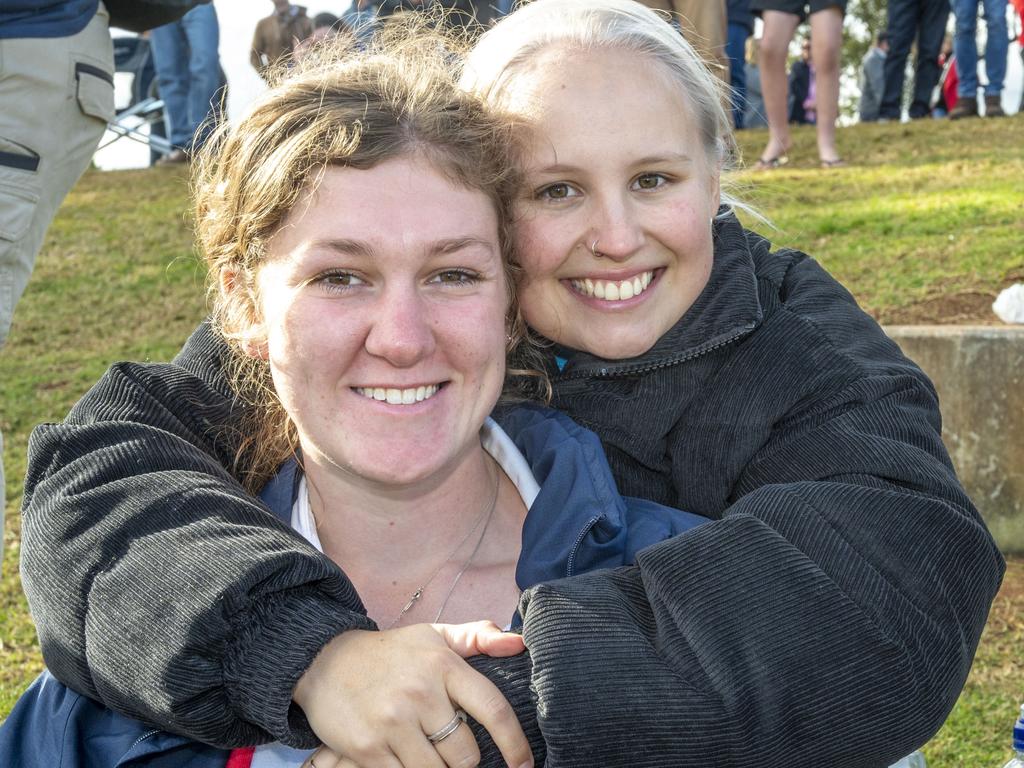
949	86
1019	5
240	758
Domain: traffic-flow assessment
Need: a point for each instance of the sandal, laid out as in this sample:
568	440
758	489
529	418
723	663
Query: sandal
837	163
770	163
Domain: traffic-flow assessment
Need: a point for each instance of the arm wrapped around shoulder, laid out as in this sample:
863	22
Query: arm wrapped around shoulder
158	585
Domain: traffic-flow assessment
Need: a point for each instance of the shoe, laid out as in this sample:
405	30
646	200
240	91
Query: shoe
994	107
770	163
964	107
836	163
175	157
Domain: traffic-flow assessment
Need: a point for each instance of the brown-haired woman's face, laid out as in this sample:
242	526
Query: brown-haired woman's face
383	302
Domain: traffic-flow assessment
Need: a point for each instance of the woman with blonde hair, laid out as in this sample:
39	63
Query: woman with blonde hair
828	612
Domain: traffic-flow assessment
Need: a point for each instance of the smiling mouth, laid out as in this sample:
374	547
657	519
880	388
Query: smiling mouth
614	290
393	396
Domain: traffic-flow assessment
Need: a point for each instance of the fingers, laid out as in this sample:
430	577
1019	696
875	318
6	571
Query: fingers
479	697
479	637
454	741
325	757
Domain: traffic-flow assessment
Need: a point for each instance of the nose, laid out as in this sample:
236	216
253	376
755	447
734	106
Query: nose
616	230
400	331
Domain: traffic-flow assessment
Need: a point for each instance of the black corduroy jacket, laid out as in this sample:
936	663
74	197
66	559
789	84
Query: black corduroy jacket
827	616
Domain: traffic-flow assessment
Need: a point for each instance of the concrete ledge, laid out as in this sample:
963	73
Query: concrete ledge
978	372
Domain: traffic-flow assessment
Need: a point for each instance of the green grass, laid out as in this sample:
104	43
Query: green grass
926	224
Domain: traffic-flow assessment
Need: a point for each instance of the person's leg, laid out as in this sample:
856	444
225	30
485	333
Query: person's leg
203	34
965	48
776	36
736	47
997	46
902	25
704	26
931	29
170	59
57	96
826	43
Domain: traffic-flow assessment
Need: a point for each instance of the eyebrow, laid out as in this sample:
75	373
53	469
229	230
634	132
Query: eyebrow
667	157
363	249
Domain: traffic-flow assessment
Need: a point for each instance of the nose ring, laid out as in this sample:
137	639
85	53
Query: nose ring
593	248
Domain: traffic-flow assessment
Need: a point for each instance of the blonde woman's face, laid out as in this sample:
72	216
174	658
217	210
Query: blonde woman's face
383	302
613	224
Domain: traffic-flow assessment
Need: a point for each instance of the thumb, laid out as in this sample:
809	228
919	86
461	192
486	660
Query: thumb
479	637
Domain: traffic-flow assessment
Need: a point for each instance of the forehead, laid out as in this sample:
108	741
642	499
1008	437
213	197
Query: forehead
399	203
602	96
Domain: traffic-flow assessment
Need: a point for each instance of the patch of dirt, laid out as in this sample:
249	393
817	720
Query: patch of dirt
968	308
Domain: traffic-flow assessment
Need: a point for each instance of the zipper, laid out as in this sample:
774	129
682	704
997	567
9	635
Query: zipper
571	560
143	737
625	370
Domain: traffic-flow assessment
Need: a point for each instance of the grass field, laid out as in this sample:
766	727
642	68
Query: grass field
925	225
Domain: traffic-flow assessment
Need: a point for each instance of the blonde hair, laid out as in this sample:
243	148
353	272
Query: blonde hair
338	107
513	45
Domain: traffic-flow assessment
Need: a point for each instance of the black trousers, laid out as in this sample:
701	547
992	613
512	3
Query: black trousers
924	20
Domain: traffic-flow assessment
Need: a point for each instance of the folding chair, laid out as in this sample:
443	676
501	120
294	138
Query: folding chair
143	119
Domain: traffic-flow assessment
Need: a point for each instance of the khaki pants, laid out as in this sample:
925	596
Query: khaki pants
704	25
56	96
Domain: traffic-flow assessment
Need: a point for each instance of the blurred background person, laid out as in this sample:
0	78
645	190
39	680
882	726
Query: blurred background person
913	22
753	116
49	127
872	79
801	88
740	28
703	24
965	47
325	26
361	18
781	18
188	76
278	34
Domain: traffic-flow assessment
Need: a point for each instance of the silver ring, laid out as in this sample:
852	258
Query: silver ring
448	729
593	248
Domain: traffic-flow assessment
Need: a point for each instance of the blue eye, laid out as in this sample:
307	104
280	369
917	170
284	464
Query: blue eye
559	191
649	181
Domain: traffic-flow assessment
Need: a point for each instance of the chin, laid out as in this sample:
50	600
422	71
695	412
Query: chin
621	347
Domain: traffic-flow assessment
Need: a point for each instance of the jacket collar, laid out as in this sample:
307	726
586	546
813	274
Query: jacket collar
727	309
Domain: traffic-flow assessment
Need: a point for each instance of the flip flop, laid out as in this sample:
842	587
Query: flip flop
837	163
770	163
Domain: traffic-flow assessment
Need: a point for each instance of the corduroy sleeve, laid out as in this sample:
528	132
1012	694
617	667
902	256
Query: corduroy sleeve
161	588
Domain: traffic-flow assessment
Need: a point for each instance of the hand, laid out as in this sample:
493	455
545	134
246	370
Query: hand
372	697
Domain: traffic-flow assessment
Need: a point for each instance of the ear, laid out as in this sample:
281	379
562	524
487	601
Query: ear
243	313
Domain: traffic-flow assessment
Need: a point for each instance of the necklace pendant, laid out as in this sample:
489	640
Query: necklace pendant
412	601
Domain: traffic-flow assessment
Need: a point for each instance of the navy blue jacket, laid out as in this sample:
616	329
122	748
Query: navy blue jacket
45	18
578	523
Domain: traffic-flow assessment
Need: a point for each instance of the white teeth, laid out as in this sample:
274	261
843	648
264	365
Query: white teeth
399	396
611	290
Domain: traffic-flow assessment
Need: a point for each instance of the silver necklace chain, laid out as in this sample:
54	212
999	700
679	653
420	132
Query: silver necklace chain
488	513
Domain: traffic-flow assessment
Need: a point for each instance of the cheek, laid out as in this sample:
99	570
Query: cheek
539	247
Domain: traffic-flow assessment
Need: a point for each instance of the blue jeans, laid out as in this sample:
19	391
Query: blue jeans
736	50
188	73
965	46
925	21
